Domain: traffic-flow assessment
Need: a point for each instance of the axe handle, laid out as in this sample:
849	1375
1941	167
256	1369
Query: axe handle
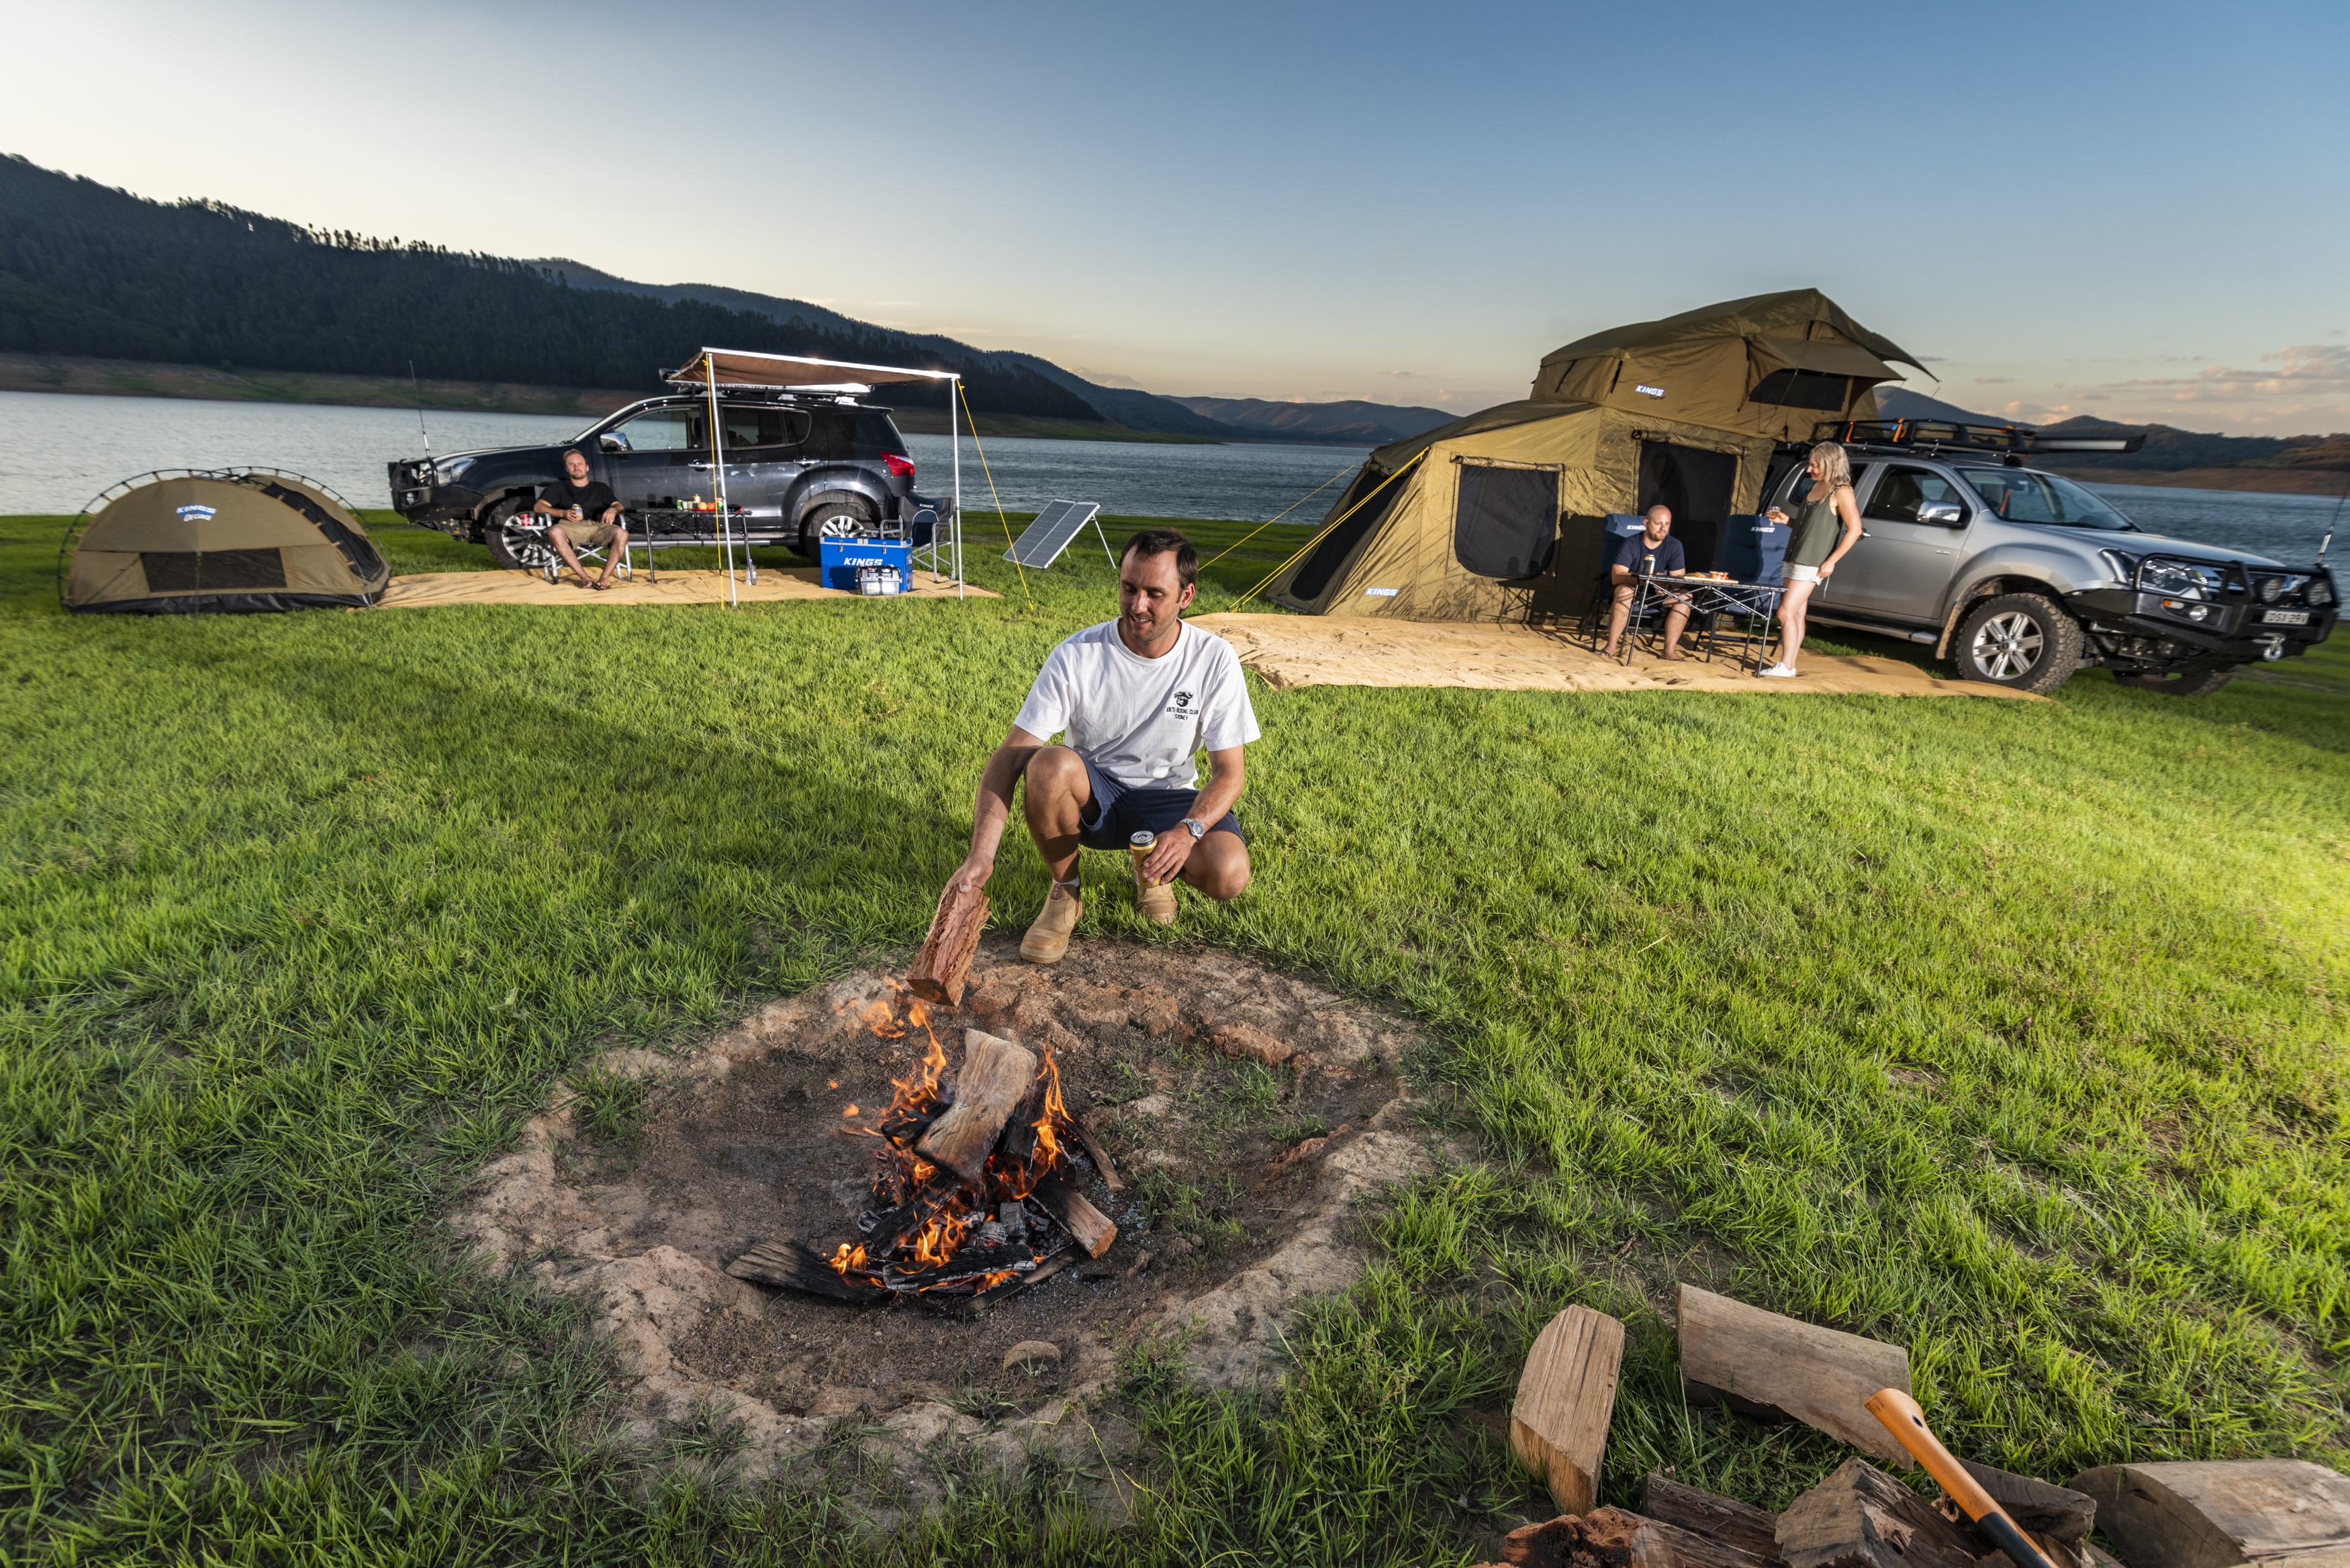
1907	1424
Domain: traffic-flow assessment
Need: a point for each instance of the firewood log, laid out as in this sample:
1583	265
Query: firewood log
1092	1228
1611	1537
1758	1362
2219	1513
1862	1518
1726	1520
994	1078
943	965
1566	1396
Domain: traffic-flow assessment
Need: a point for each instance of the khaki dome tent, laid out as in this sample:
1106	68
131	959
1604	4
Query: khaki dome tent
221	542
1499	514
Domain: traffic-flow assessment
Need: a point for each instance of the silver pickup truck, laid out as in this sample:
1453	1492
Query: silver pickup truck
2021	577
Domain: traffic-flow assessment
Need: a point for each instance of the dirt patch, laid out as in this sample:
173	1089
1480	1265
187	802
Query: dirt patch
1245	1112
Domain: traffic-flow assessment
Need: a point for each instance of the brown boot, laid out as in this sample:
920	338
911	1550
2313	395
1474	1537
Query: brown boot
1049	938
1157	904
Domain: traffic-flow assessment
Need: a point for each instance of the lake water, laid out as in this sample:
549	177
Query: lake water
57	450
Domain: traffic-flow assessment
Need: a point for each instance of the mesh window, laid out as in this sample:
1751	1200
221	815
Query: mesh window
1804	389
1332	552
1505	520
212	571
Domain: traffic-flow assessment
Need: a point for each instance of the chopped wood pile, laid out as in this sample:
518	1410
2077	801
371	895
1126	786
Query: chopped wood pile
2275	1513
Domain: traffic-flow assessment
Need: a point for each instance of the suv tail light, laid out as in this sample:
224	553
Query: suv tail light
900	467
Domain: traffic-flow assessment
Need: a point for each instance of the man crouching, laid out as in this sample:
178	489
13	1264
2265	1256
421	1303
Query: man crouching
1140	697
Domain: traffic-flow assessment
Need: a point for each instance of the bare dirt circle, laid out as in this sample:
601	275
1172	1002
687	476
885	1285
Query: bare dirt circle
1245	1112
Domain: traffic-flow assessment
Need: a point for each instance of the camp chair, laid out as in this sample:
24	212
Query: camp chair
552	568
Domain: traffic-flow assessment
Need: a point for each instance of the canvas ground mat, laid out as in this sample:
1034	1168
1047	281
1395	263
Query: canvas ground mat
675	587
1324	650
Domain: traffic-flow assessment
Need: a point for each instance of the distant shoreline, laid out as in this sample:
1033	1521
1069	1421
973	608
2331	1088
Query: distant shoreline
80	376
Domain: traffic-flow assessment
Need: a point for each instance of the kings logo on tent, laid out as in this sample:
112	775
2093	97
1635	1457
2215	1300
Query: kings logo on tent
196	513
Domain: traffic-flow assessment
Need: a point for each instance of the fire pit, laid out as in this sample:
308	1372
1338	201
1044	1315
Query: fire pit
973	1196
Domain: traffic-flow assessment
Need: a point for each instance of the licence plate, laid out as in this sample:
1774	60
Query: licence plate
2285	617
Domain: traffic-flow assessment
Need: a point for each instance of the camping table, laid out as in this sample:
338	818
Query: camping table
642	533
1707	596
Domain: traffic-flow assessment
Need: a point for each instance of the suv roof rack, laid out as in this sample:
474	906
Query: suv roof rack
1939	435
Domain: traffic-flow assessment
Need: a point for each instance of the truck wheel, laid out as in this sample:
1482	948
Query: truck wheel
516	549
2183	683
2023	641
833	520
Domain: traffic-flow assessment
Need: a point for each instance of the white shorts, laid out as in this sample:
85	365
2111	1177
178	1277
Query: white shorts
1805	574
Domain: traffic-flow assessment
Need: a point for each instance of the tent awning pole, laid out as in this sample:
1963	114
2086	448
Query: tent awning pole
718	478
954	444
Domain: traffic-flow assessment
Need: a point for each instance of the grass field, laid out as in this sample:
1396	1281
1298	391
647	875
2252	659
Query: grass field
2011	1032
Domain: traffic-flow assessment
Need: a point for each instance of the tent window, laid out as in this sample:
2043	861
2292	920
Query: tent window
1505	521
1804	389
1332	552
188	572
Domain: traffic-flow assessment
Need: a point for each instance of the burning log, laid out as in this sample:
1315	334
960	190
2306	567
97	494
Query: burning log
1090	1227
790	1263
995	1077
943	965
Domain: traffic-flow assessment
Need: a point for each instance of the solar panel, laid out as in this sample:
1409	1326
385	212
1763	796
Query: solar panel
1042	542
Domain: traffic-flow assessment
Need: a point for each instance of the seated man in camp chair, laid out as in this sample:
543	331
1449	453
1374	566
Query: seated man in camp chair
1653	542
1138	699
587	517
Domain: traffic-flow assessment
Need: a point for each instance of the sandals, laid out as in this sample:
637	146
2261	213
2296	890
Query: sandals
601	586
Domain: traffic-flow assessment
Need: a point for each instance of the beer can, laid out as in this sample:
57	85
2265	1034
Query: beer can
1139	846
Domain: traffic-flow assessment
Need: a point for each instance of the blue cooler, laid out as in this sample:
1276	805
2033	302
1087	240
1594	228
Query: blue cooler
1754	551
869	566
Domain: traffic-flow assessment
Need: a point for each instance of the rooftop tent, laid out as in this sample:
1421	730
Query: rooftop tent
1773	365
1500	514
220	541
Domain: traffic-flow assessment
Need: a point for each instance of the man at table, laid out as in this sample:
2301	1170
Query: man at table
586	516
1653	551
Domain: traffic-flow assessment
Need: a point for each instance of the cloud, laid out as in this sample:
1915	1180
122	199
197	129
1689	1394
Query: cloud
1400	375
2298	385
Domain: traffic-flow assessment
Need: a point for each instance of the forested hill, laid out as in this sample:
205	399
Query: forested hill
85	269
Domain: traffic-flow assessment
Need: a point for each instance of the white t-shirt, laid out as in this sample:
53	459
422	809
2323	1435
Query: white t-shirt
1140	720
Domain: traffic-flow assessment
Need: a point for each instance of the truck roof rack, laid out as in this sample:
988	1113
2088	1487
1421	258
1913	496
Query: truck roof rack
1943	435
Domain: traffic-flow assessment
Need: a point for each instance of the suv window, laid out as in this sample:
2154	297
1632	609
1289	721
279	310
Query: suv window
660	429
753	425
1904	489
2019	495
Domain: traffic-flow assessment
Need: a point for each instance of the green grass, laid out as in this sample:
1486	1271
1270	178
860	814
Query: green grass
2012	1033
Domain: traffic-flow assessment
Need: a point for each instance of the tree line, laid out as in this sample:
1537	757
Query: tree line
87	269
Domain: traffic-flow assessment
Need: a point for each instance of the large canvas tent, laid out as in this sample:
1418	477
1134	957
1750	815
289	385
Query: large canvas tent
1501	513
225	541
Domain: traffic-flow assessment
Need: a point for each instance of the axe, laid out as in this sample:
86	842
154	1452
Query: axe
1907	1424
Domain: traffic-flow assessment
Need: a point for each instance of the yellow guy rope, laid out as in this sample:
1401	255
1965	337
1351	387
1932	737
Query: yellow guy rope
1279	515
972	419
1334	522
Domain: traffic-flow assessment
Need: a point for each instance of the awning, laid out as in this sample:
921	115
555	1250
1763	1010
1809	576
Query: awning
1812	354
736	367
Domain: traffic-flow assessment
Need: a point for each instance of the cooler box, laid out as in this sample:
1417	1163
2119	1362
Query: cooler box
1754	551
866	565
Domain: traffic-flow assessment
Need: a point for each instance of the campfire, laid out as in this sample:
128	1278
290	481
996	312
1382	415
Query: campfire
975	1191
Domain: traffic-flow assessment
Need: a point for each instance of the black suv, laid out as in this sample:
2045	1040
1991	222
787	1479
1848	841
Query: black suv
805	468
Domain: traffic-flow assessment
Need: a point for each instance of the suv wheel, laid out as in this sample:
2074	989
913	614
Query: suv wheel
2023	641
2183	683
516	549
833	520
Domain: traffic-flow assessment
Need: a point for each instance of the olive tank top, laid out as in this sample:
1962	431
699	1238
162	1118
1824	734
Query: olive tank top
1814	535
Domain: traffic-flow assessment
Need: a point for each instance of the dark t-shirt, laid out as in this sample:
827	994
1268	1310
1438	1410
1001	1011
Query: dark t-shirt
1635	550
591	498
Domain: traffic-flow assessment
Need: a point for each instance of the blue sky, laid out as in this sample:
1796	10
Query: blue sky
2134	211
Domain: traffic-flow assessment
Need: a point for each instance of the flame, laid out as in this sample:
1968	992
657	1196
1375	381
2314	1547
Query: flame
950	1209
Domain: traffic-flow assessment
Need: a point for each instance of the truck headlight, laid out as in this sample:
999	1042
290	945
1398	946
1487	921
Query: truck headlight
452	468
2123	568
2319	593
2270	589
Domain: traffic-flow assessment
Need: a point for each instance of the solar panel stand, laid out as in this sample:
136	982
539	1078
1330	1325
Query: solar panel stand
1052	531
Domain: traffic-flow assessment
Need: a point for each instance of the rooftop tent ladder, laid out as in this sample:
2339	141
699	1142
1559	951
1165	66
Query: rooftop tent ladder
716	367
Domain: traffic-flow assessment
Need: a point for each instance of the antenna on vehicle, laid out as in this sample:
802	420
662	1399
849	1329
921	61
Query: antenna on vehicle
418	387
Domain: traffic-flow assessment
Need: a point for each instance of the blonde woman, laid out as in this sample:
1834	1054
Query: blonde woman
1827	524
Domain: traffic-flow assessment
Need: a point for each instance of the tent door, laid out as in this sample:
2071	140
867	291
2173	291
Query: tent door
1699	485
1505	520
1333	552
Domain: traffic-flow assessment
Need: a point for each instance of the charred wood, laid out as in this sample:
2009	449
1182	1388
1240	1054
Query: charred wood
1733	1524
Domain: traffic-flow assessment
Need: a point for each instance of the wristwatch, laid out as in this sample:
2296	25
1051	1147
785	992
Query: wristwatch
1198	830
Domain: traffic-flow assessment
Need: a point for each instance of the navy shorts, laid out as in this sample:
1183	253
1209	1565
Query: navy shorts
1118	813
